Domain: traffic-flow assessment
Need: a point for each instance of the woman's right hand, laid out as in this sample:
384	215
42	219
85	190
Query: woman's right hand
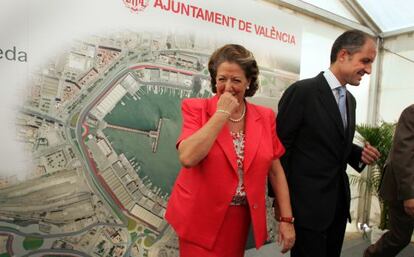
227	102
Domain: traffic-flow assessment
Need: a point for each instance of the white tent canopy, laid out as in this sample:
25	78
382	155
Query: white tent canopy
382	17
390	16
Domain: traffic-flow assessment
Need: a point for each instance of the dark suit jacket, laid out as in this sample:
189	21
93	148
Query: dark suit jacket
398	181
318	149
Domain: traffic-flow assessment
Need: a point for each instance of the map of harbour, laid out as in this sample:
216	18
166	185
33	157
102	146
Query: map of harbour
100	122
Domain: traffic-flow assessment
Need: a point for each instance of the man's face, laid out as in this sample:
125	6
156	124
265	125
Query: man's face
354	66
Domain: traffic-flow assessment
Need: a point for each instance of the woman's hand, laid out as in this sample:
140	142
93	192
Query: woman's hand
227	103
286	236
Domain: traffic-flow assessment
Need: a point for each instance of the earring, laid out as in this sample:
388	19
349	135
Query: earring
248	87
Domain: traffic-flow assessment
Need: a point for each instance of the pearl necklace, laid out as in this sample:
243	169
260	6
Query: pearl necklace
241	117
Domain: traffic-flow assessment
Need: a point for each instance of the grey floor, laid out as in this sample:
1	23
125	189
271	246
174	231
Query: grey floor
351	248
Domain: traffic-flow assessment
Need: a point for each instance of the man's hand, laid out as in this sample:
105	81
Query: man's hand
409	207
286	236
370	154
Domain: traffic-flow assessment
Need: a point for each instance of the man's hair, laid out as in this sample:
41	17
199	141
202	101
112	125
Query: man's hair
351	40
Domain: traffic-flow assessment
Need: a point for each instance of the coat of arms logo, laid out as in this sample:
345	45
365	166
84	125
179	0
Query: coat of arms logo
136	5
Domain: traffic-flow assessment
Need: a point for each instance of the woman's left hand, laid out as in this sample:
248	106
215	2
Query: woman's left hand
286	236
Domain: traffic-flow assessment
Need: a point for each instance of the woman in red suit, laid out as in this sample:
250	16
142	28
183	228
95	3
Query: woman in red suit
228	147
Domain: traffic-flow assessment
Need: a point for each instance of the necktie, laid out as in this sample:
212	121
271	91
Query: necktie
342	103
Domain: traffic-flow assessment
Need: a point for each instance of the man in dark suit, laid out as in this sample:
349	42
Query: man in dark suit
397	188
316	124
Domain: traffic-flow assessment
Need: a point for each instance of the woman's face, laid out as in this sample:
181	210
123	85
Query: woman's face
231	78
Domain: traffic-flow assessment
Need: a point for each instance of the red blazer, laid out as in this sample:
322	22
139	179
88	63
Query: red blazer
202	194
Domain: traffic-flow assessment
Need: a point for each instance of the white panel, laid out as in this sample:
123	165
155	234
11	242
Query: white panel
397	81
333	6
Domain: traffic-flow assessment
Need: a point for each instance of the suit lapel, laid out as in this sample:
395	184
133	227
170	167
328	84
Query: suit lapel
253	132
329	103
224	139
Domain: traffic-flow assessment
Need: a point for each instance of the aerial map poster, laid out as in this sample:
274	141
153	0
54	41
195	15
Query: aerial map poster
90	111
